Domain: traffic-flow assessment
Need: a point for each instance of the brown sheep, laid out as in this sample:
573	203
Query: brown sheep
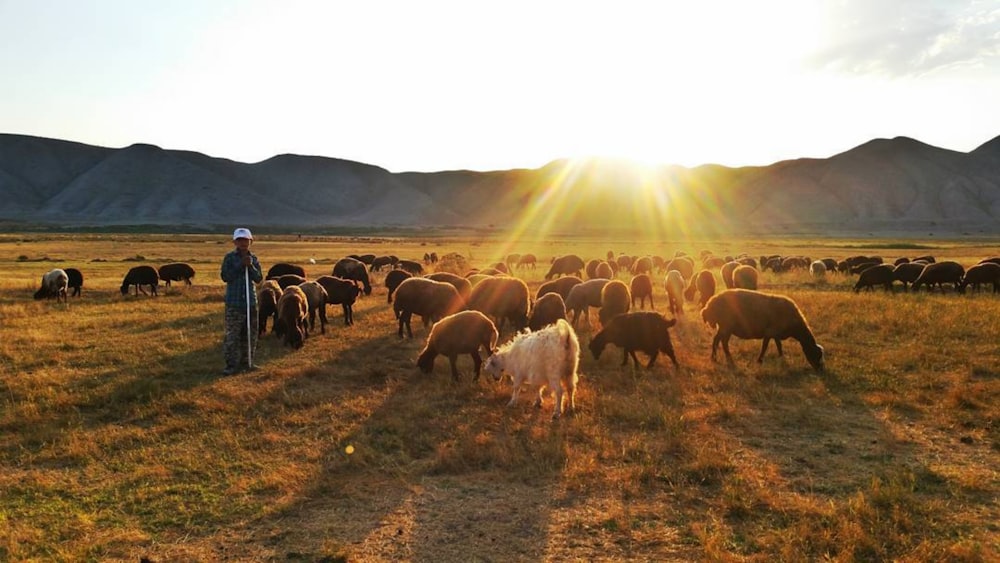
267	306
289	280
683	264
569	264
341	292
462	285
591	268
392	281
502	298
674	284
316	298
879	274
907	273
583	296
527	260
939	273
643	265
615	300
645	331
704	284
548	309
282	268
464	332
984	272
641	287
353	269
604	271
750	315
726	271
512	260
562	286
745	277
293	310
430	299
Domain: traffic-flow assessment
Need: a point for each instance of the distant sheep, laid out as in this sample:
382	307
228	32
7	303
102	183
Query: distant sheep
939	273
526	261
353	269
55	283
392	281
382	261
430	299
562	286
176	271
745	277
642	265
879	274
591	268
504	299
282	268
583	296
674	284
982	273
140	276
464	332
341	292
703	283
817	269
645	331
411	266
567	265
293	311
751	315
604	271
683	264
549	357
511	261
75	280
641	287
548	309
316	298
462	285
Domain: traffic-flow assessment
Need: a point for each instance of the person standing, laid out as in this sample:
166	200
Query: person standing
240	270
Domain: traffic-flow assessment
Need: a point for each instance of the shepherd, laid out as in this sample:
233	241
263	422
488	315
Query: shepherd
240	267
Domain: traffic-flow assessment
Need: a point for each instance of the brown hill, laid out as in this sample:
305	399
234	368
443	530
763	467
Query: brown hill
899	185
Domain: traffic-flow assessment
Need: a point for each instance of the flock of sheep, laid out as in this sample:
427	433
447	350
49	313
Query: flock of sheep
467	313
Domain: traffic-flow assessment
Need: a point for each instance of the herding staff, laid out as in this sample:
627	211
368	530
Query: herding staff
246	271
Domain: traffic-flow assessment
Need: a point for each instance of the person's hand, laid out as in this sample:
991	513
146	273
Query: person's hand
247	260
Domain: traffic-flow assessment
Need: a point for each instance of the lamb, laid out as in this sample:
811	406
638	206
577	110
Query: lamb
55	283
282	268
75	280
745	277
879	274
430	299
341	292
176	271
674	284
461	333
704	284
641	287
570	264
615	300
549	357
984	272
353	269
645	331
392	281
562	286
751	315
140	276
462	285
267	305
316	298
939	273
583	296
293	310
503	299
548	309
907	273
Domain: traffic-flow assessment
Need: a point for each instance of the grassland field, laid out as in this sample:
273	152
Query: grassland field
120	439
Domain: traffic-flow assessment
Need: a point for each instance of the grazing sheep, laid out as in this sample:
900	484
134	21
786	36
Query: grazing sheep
55	283
591	268
461	333
267	306
341	292
984	272
511	261
283	268
548	357
462	285
994	260
795	263
176	271
381	261
293	310
643	265
430	299
615	300
316	298
939	273
392	281
476	278
745	276
367	259
548	309
726	271
830	263
704	284
501	267
562	286
491	271
583	296
750	315
682	264
570	264
641	287
353	269
75	280
624	262
140	276
925	258
879	274
411	266
817	268
674	284
604	271
907	273
645	331
527	260
289	280
503	299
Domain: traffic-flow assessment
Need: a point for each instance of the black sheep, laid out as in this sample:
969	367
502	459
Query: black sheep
177	271
645	331
283	268
75	280
353	269
342	292
140	276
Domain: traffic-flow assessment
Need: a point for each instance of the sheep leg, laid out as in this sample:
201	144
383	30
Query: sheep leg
624	356
538	400
725	348
777	342
322	318
348	314
763	349
516	380
478	362
557	410
635	359
652	359
453	359
715	345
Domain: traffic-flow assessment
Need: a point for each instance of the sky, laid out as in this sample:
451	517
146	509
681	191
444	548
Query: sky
443	85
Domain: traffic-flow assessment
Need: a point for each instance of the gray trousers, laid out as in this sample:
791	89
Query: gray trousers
234	344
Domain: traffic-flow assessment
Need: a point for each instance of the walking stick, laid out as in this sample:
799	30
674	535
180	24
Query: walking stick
249	337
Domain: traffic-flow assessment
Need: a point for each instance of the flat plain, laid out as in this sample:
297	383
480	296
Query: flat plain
120	438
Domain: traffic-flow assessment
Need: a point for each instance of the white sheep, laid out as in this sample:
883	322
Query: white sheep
55	283
548	357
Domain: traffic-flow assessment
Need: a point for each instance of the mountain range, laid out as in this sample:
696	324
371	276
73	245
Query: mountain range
897	185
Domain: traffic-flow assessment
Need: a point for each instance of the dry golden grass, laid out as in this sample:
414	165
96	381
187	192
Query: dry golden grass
119	438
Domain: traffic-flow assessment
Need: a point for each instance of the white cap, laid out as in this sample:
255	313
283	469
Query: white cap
242	233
